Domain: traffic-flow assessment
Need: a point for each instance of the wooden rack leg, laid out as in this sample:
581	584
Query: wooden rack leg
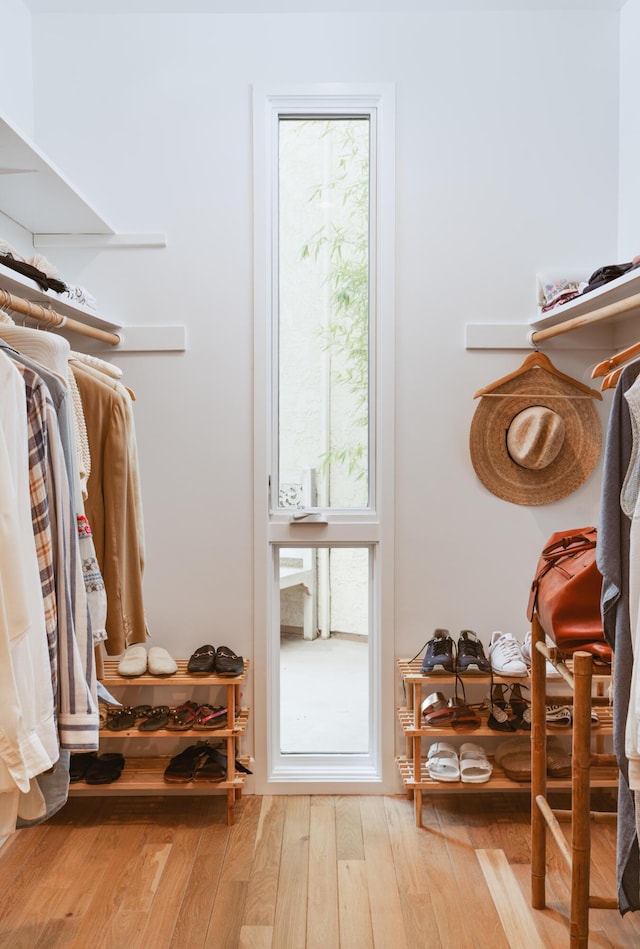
581	803
538	767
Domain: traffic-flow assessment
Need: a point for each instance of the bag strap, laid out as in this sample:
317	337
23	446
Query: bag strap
568	545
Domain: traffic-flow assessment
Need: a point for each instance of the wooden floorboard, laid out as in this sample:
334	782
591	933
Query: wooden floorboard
295	872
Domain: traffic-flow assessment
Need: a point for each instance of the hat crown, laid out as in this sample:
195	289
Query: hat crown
535	437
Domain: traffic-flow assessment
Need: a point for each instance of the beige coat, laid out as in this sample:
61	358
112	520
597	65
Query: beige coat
113	507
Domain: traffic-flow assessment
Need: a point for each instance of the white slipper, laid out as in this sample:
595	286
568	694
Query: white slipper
475	767
134	661
160	662
442	762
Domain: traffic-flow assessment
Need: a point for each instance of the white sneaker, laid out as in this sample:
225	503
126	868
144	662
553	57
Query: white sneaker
505	653
552	672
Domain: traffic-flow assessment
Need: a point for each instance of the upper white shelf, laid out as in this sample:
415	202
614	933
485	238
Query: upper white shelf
35	194
593	336
613	292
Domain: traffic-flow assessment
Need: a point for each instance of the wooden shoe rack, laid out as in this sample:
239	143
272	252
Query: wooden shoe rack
413	766
144	774
586	766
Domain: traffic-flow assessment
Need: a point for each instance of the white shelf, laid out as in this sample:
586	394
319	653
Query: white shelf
134	339
35	194
614	291
597	336
28	289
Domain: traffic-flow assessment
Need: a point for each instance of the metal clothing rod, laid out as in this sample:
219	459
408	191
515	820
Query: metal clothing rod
38	312
596	316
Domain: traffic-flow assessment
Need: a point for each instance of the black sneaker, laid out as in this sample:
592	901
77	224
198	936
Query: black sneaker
439	655
471	657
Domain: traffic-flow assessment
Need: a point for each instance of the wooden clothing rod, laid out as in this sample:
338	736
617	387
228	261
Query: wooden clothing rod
38	312
596	316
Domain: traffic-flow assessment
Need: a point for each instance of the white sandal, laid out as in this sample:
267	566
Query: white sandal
475	767
442	762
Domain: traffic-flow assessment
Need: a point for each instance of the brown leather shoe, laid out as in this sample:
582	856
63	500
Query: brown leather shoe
202	661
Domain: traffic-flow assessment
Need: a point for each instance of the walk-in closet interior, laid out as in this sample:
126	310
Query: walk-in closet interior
319	332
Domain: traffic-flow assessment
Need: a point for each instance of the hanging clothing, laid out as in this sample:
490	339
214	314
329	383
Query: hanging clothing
28	736
113	505
612	554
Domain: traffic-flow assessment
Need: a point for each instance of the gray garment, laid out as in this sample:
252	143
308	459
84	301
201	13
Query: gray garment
612	556
54	785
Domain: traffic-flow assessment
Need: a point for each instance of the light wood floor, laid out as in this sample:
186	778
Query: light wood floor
299	872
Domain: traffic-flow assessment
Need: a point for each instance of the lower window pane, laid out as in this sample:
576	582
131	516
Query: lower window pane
324	650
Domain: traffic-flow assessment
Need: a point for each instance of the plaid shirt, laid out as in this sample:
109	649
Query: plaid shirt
77	709
36	395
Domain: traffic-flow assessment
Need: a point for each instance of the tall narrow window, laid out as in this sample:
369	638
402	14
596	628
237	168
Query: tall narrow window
324	411
323	305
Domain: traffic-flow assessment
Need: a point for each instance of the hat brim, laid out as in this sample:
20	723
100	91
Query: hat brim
575	461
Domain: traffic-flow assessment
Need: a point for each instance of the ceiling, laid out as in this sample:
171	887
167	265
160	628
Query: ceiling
309	6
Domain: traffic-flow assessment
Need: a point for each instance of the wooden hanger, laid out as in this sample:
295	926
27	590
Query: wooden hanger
608	364
537	360
611	379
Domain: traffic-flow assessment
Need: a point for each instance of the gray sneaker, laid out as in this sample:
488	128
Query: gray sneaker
471	657
439	657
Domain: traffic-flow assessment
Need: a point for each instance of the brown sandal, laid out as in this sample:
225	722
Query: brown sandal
210	717
183	717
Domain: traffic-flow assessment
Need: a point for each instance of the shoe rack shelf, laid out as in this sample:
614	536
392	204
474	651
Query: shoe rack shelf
145	774
412	766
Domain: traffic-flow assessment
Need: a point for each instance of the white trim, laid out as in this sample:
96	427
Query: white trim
372	527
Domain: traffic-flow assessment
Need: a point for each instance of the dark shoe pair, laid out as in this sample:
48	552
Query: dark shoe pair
443	657
200	762
94	768
207	660
182	767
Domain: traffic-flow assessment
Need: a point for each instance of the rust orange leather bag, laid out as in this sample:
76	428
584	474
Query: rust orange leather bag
566	591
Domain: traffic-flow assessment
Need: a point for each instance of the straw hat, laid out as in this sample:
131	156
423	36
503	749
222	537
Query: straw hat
535	435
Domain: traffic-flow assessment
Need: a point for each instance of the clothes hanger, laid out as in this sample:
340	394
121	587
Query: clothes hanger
608	364
537	360
611	379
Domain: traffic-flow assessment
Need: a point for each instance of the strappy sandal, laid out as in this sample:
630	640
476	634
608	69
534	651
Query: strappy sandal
436	711
120	719
520	707
464	716
158	718
183	717
496	702
210	717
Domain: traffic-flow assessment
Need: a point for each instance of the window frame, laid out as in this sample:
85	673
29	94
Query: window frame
373	526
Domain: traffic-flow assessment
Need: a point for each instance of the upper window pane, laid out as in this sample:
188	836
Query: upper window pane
323	310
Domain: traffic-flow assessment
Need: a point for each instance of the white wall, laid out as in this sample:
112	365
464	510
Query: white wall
16	79
507	162
629	238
